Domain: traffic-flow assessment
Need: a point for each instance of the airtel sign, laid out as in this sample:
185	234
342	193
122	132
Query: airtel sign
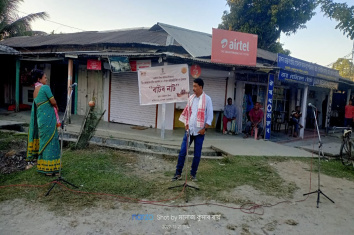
232	47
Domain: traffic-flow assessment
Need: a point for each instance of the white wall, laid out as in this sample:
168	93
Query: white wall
47	70
320	95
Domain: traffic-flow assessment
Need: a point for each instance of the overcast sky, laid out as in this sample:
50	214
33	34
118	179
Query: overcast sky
320	43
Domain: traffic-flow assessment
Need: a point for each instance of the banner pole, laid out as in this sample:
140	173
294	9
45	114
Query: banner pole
163	116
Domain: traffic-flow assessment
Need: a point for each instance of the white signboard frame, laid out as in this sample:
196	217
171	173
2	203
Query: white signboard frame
163	84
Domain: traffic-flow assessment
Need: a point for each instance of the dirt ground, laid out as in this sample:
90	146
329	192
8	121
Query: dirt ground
111	217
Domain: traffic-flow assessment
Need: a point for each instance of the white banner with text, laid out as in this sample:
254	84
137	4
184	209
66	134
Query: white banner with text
163	84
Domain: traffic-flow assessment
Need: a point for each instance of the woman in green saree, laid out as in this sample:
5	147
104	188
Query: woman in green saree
43	141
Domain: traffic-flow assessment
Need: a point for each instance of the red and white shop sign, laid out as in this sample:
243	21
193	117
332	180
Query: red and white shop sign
232	47
139	64
93	65
195	71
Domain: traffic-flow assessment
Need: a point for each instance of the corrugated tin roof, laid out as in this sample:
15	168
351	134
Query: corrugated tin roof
139	35
267	55
197	44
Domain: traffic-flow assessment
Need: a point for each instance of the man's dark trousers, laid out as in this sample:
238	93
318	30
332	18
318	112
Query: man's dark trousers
198	144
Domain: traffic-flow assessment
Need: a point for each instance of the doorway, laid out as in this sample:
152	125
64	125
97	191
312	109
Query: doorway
59	84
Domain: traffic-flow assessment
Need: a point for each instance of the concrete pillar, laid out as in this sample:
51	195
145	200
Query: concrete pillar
240	92
230	92
169	116
163	115
304	111
17	94
298	97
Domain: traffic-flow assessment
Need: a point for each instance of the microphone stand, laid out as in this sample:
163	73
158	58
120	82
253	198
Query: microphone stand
60	179
320	151
188	144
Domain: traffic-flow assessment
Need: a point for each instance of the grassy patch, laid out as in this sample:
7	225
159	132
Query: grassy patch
9	140
101	170
220	177
93	170
333	168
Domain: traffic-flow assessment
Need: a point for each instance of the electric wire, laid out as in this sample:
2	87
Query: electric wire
55	22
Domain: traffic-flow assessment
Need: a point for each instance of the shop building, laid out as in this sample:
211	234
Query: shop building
66	57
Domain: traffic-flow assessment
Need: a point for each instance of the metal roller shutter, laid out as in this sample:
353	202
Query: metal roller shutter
213	87
125	106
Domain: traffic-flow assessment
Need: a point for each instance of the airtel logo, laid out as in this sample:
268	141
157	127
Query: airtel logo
224	43
235	45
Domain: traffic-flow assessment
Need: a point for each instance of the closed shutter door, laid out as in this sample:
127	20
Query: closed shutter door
125	106
213	87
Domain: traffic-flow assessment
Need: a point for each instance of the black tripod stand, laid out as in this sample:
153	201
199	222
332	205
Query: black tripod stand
60	179
320	152
185	185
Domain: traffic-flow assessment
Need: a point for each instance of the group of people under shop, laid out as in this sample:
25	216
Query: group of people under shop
255	119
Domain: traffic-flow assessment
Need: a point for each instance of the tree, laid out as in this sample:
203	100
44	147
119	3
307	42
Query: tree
345	67
340	12
268	19
11	24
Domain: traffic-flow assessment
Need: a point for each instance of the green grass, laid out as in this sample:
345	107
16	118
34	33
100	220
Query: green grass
219	178
93	170
10	140
333	168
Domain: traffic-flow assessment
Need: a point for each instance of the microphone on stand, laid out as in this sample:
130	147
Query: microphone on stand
311	105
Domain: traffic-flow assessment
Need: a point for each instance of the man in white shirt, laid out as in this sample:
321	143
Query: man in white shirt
197	119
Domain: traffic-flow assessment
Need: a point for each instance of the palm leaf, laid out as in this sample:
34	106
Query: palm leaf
11	24
22	25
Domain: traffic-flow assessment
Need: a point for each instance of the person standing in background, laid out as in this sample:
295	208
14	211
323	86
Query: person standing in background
43	139
229	114
348	118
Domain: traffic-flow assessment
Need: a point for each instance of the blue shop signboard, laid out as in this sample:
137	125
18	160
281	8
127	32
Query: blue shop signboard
290	76
298	66
286	75
269	106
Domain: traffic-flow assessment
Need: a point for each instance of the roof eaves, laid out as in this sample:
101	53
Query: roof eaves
208	61
8	50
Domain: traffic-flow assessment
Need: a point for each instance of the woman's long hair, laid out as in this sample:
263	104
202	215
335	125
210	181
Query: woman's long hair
36	74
